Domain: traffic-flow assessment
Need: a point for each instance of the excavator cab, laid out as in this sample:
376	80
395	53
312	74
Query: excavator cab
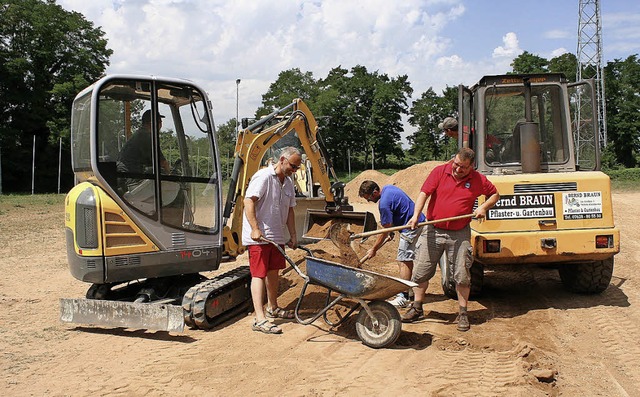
145	217
149	184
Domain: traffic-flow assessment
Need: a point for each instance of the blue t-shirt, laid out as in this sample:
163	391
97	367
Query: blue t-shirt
396	207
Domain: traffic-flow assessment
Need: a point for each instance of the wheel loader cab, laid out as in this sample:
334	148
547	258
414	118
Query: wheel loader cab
148	145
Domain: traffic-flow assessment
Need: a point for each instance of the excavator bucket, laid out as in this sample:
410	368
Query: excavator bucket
318	222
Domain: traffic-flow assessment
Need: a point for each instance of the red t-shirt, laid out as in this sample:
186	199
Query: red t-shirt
450	197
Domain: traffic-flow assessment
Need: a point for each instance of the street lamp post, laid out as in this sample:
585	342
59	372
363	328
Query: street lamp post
237	105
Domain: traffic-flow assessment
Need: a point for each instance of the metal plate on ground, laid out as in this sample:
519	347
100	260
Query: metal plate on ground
153	316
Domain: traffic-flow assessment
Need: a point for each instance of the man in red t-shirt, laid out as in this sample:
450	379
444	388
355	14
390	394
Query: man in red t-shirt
453	188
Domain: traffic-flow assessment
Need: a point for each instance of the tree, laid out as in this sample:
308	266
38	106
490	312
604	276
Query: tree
566	63
389	104
364	112
428	142
289	85
623	101
529	63
225	136
47	55
356	110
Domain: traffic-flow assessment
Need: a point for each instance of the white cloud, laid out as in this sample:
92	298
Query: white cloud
558	51
510	49
216	42
557	34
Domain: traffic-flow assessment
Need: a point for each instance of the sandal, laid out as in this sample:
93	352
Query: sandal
279	312
266	327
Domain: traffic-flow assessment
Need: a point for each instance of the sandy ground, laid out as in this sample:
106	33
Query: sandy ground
525	328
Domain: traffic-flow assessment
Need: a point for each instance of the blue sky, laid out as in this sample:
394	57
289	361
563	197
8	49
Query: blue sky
437	43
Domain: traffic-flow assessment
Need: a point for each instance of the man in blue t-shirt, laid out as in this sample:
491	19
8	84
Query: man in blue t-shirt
396	209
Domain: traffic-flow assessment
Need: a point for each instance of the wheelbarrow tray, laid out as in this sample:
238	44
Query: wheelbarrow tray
353	282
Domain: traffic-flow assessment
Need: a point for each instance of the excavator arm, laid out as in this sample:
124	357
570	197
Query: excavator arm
252	145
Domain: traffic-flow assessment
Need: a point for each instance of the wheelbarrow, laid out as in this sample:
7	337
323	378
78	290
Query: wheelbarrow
378	322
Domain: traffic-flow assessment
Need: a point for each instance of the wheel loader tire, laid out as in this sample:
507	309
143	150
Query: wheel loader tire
477	280
447	282
449	285
587	278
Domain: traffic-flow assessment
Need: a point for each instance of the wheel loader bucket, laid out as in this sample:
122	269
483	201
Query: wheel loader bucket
318	223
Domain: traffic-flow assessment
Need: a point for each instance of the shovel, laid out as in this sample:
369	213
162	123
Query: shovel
339	234
395	228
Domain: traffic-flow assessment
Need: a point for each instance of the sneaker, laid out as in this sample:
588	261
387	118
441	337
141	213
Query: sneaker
463	323
400	301
412	315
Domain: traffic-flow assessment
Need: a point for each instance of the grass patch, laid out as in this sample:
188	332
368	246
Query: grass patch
8	201
625	186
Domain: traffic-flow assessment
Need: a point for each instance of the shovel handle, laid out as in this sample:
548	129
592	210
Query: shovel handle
396	228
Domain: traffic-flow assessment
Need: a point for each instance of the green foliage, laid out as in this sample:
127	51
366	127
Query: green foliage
226	138
428	142
625	174
566	63
357	111
289	85
626	179
529	63
47	55
622	102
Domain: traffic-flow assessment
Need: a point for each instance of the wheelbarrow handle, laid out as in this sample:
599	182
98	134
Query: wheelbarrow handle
396	228
286	257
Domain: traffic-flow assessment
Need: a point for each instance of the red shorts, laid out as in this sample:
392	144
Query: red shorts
264	257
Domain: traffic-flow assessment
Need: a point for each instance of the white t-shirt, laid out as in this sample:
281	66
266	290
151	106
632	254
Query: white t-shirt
272	206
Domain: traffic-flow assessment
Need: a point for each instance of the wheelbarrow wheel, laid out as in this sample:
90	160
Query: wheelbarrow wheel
388	328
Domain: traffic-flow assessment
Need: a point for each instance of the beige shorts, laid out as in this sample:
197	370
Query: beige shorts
432	244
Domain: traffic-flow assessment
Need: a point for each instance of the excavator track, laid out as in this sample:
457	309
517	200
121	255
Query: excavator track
214	301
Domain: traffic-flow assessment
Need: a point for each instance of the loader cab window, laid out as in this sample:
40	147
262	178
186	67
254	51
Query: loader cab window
155	151
505	115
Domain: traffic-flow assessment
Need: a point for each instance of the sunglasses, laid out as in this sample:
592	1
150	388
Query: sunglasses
293	166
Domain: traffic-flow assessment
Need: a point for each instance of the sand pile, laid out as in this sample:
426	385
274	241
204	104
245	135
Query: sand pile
351	189
410	180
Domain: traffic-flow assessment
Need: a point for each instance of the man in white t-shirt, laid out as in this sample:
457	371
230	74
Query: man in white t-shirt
268	209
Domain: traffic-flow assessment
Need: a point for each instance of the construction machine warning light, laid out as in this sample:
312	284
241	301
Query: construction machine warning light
604	241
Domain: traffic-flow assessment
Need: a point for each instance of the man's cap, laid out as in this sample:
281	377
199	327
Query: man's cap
146	116
448	123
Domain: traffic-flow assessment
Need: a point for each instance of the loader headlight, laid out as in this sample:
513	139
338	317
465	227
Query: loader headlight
604	241
86	221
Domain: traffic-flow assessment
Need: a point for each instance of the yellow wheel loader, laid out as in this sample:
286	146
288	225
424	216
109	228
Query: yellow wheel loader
536	138
146	217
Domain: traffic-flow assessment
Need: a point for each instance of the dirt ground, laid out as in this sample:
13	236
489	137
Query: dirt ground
528	336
